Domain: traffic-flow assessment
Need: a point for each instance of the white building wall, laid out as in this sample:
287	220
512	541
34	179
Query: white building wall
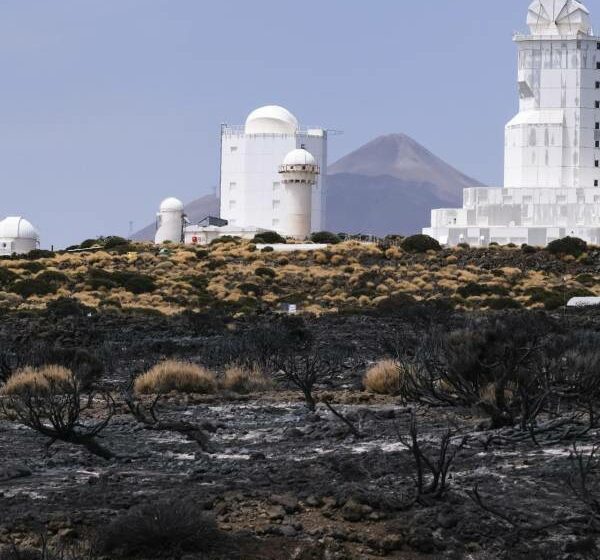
251	190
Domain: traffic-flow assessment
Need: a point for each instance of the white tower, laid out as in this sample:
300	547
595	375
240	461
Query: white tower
169	221
551	142
552	146
17	235
299	173
251	190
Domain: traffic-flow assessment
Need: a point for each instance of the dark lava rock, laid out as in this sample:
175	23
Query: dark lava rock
447	519
287	501
582	545
14	471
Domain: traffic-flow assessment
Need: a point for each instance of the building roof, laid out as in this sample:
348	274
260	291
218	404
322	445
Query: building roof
171	205
558	17
271	119
15	227
299	157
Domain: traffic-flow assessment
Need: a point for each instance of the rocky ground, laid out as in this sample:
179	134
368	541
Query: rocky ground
283	482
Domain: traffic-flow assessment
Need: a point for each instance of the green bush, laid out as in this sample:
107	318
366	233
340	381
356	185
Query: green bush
567	246
528	249
52	276
268	237
265	272
249	287
474	289
131	281
33	287
35	254
114	242
502	303
7	276
420	244
225	239
33	266
325	237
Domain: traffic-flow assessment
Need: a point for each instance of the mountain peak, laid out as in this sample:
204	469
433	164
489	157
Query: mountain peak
400	156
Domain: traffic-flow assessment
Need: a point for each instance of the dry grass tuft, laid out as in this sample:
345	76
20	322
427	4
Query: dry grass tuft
243	380
38	381
383	378
172	375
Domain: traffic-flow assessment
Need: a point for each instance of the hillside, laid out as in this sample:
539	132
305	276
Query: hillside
235	277
387	186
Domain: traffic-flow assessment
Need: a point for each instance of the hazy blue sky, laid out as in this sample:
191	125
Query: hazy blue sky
108	106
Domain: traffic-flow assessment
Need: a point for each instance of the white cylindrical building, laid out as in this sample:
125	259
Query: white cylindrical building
169	221
299	173
251	191
17	236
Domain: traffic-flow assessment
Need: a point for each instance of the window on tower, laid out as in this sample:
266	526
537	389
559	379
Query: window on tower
598	126
597	104
595	185
597	163
597	143
597	85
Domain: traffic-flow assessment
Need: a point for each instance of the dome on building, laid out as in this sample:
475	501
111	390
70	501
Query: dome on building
171	205
299	157
558	17
16	227
271	119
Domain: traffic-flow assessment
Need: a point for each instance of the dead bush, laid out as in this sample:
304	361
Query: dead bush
245	380
173	375
39	381
164	526
383	378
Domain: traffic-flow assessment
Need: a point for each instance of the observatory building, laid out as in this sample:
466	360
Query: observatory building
270	174
552	146
169	222
17	236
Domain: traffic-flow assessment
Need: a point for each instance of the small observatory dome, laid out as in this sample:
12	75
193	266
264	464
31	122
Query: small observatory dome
17	235
299	157
171	205
271	119
16	227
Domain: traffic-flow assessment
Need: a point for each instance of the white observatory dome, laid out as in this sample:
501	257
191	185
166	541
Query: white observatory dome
16	227
299	157
558	17
271	119
171	205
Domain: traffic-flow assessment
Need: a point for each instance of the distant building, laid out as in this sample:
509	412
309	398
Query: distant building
552	146
17	236
256	189
170	221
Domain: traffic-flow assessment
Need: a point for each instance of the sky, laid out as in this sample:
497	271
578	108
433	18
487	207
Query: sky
109	106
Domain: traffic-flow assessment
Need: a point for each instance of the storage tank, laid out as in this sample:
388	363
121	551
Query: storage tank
17	235
169	221
299	173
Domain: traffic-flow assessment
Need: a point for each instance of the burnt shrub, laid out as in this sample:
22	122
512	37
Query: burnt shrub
163	526
567	246
420	244
268	237
325	237
395	302
34	287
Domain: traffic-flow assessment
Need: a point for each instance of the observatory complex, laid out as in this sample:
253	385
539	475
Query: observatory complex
17	236
271	180
552	146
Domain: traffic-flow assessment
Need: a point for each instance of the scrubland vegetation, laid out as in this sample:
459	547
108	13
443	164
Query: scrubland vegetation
232	276
425	403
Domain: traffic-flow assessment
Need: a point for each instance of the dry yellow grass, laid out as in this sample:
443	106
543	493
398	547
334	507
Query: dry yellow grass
40	381
383	378
243	380
173	375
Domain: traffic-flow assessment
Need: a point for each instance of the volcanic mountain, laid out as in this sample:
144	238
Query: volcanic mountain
387	186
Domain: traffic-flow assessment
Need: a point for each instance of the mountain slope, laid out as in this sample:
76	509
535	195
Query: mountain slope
401	157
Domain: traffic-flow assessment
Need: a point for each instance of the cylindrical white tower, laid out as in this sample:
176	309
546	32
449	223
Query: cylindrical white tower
299	172
169	222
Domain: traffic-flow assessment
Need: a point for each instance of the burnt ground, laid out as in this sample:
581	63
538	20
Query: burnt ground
283	482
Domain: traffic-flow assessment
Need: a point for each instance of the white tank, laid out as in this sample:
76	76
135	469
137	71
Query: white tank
169	221
17	235
299	173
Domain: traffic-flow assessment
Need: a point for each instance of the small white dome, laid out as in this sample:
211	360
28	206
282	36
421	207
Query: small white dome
299	157
15	227
271	119
171	205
